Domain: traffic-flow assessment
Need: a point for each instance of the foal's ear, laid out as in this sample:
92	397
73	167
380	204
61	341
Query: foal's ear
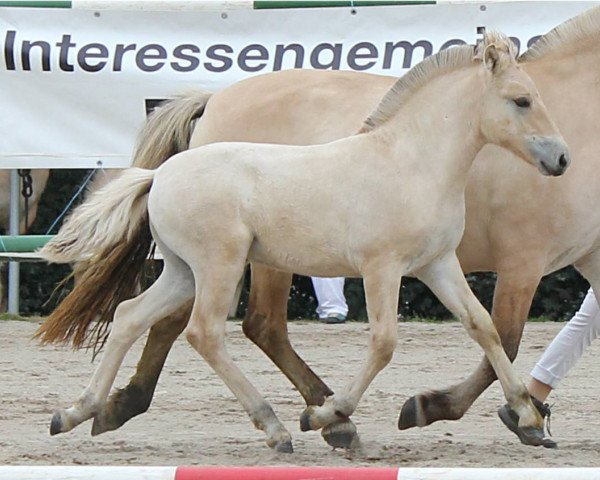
491	57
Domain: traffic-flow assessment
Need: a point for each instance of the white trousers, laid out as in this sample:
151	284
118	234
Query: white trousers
330	296
570	343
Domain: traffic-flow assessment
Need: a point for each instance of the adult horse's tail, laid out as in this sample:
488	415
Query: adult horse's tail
114	268
168	129
104	233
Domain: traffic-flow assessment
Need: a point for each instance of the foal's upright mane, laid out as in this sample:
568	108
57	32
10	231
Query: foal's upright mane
567	37
431	67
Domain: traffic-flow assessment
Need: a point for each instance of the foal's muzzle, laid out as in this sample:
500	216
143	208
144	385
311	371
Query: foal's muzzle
551	155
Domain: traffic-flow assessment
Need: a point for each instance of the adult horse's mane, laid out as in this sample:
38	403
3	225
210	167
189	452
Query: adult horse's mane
566	37
431	67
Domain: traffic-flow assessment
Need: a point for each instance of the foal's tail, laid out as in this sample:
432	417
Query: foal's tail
110	235
169	128
117	240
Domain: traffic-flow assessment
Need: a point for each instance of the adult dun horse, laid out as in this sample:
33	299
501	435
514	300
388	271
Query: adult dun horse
212	209
518	224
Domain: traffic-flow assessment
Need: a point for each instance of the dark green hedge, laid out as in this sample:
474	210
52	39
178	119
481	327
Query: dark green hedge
558	296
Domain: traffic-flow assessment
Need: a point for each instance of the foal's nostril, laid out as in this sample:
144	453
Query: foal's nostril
562	161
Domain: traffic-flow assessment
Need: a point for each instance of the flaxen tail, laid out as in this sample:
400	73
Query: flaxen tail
104	234
169	128
114	266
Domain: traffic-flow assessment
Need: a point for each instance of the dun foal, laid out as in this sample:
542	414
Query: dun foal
213	209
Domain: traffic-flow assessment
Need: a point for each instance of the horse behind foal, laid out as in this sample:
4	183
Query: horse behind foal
242	205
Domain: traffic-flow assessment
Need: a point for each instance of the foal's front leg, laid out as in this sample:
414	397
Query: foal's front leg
513	295
382	286
206	333
445	278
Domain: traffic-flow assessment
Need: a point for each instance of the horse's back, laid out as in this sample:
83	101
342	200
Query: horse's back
294	107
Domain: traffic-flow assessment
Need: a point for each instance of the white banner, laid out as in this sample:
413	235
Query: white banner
75	84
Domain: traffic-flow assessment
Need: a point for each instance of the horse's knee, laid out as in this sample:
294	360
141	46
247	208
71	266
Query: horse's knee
383	346
205	343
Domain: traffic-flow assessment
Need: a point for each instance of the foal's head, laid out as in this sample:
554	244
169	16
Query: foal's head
514	115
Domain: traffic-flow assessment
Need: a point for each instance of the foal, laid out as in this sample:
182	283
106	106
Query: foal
406	174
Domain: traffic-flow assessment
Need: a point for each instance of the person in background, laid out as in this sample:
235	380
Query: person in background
332	306
562	353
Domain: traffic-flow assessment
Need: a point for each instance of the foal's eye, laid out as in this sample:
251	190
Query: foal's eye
522	102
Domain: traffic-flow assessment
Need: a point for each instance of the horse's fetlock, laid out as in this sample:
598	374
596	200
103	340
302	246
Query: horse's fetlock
343	406
264	416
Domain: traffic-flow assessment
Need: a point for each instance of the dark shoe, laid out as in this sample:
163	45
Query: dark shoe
335	318
510	418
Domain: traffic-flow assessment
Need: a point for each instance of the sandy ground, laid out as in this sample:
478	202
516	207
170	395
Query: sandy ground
195	420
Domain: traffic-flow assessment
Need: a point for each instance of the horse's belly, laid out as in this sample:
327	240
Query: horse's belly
307	260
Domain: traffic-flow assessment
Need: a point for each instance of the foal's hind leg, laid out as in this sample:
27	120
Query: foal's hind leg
133	317
135	398
448	283
513	295
206	333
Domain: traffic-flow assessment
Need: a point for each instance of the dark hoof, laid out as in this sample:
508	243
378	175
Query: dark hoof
56	424
123	405
285	447
408	414
426	408
341	435
305	422
100	425
535	436
527	435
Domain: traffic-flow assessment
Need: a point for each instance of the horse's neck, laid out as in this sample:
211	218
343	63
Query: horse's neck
569	83
439	126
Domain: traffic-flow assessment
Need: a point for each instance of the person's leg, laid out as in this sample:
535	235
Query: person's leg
562	353
566	348
332	306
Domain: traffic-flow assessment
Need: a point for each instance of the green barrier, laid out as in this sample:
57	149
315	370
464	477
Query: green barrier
37	4
23	243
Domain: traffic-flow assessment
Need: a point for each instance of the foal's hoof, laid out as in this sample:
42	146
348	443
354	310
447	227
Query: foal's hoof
341	435
56	424
284	447
281	443
60	423
305	425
